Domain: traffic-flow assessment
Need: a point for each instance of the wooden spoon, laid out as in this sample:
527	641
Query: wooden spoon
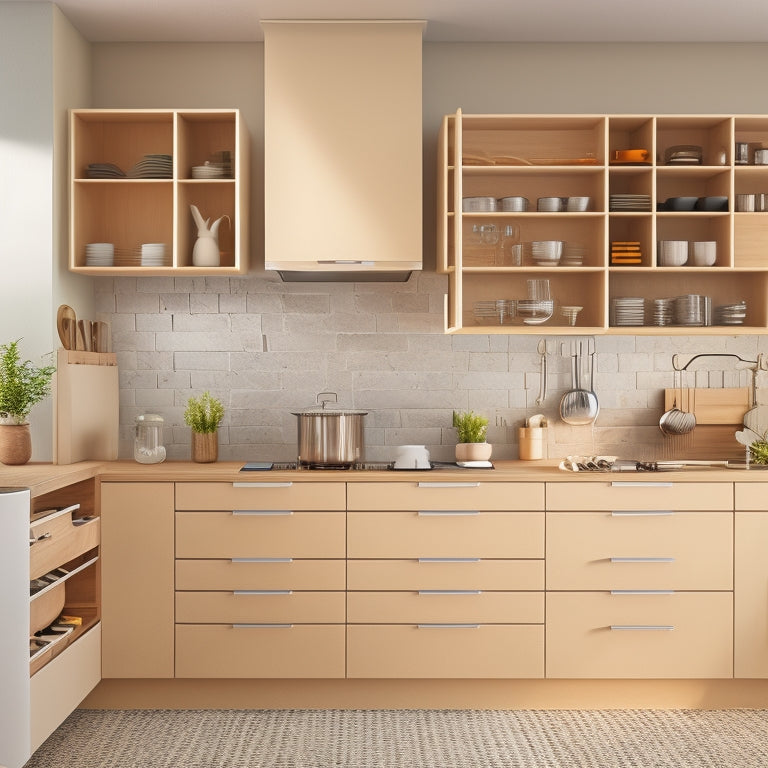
66	324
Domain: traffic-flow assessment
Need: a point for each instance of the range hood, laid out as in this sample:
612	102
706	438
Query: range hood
343	150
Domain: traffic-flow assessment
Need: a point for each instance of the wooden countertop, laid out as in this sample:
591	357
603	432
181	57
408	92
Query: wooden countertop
42	478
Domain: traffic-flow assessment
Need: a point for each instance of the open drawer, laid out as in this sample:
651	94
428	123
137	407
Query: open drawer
58	537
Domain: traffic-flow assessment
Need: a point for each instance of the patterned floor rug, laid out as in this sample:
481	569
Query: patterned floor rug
408	739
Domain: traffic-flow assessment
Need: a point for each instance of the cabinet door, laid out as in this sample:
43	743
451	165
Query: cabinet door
137	540
751	595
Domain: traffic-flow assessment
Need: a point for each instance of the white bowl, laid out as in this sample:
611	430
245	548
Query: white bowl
704	253
578	203
672	253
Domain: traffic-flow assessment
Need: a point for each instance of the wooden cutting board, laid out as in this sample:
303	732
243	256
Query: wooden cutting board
711	406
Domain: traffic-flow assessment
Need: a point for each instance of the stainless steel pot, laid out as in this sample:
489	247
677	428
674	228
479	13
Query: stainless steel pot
330	437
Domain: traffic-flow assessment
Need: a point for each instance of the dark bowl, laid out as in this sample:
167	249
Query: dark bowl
713	203
680	203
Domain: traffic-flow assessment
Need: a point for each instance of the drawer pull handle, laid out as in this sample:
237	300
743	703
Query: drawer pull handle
449	559
450	591
639	484
262	560
262	626
642	559
641	512
41	537
262	512
448	626
262	592
642	627
286	484
642	591
447	512
448	485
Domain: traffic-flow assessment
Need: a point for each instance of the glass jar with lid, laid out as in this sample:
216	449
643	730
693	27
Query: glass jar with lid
148	445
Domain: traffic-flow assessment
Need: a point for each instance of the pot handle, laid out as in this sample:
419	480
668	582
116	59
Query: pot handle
332	397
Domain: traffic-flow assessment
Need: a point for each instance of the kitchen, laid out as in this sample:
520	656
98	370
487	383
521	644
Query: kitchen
381	346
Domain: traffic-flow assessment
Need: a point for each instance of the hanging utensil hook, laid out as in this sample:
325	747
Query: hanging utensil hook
675	359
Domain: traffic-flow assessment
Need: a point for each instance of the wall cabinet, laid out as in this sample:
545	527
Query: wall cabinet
134	174
612	268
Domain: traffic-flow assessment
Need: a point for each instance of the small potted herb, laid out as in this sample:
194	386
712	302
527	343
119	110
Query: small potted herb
203	416
471	432
22	385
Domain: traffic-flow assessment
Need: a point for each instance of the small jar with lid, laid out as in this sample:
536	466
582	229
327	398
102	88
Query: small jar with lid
148	445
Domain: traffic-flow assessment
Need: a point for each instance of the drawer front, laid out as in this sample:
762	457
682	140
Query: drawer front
445	606
411	651
637	494
445	573
267	573
680	635
260	607
58	540
438	495
445	534
258	494
296	651
604	550
750	496
260	533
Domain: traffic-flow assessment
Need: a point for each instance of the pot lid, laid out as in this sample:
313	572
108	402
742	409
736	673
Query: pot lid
325	399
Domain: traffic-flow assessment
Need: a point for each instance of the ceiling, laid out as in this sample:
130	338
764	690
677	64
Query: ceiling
447	20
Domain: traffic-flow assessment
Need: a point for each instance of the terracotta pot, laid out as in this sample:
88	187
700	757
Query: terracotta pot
205	447
473	451
15	443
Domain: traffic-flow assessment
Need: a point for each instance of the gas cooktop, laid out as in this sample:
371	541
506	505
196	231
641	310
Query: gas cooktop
370	466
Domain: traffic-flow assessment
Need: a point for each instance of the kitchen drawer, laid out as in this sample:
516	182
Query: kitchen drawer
266	573
640	495
445	606
679	635
437	495
282	651
260	533
59	538
634	550
261	494
471	651
445	573
750	496
445	533
260	607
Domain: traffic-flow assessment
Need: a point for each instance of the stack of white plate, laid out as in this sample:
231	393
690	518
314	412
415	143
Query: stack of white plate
731	314
99	254
663	311
153	167
104	171
209	171
629	202
626	311
152	254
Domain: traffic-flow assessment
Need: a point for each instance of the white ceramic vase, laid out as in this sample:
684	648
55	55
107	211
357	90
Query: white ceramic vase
473	451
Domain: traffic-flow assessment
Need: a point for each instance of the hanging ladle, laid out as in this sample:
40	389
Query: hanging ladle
675	421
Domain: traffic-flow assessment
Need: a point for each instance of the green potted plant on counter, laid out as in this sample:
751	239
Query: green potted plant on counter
22	385
203	416
471	433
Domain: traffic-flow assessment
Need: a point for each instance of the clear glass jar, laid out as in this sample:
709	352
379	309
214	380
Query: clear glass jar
148	445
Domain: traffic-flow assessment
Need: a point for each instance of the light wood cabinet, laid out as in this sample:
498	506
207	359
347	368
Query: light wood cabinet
150	202
574	156
137	580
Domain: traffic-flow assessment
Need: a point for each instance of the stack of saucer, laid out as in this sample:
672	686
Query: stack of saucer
627	311
663	311
153	167
99	254
629	202
152	254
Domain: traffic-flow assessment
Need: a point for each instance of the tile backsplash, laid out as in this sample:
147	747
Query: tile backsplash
268	348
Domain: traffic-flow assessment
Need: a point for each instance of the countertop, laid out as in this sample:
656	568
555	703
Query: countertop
42	478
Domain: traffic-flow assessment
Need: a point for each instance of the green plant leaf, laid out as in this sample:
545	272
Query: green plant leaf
204	414
22	385
470	427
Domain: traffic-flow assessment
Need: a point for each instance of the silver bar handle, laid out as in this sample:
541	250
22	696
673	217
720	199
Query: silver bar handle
347	261
262	626
262	592
642	559
642	591
449	559
639	484
450	592
286	484
448	485
642	627
447	512
262	512
448	626
261	560
641	512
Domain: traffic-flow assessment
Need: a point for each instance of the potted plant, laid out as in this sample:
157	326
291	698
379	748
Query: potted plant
471	432
22	385
203	416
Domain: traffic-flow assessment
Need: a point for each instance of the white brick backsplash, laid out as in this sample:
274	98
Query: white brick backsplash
267	348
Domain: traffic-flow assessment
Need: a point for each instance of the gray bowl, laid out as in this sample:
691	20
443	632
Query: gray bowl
712	203
680	203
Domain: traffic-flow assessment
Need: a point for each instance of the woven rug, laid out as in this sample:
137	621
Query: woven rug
408	739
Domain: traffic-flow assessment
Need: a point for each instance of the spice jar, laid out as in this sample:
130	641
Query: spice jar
148	445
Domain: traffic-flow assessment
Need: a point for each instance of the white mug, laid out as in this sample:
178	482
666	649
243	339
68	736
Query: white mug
412	457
